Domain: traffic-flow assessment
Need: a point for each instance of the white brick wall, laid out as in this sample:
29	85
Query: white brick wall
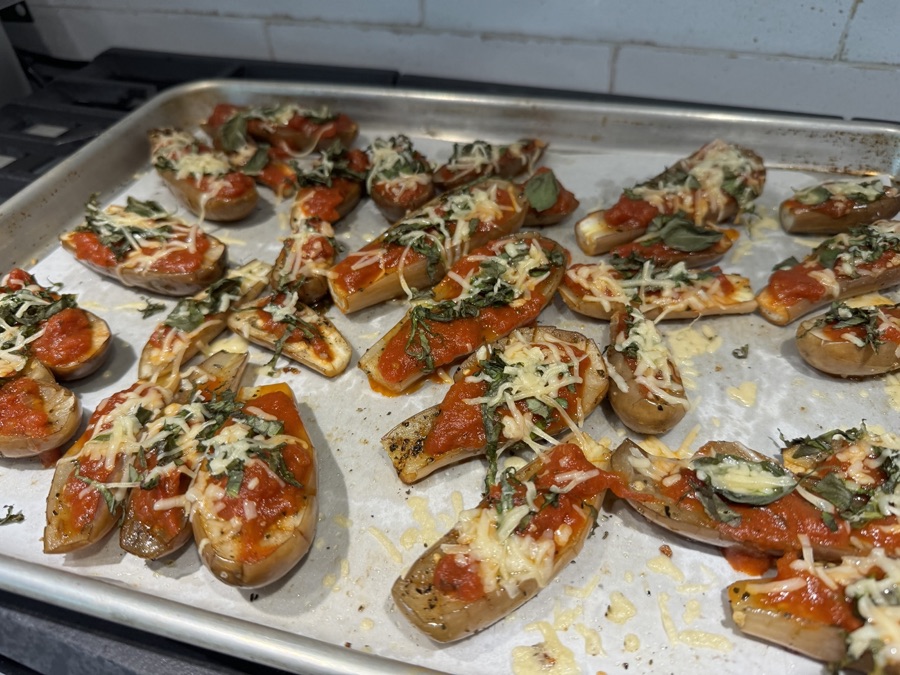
835	57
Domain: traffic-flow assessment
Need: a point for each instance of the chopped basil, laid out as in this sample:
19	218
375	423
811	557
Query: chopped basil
111	502
842	316
741	352
822	444
10	517
680	233
259	425
812	196
151	308
233	134
148	209
235	472
258	162
542	190
716	508
487	289
189	313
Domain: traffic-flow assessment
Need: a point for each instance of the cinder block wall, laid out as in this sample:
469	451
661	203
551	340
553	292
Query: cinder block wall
835	57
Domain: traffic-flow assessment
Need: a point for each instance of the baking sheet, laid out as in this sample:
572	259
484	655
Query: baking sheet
333	613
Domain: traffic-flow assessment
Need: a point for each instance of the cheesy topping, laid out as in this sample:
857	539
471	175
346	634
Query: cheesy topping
653	367
702	185
672	289
396	163
535	370
180	152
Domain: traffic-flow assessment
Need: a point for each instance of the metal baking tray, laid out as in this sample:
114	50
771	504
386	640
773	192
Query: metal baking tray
333	613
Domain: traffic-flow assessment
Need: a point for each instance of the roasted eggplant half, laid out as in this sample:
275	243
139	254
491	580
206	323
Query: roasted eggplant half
646	391
838	206
601	289
484	296
852	341
142	245
709	187
201	178
285	325
255	494
50	326
415	252
538	517
523	389
857	262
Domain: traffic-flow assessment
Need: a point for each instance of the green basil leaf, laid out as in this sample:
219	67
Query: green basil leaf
683	235
233	134
542	191
9	518
258	162
148	209
741	352
812	196
151	308
717	509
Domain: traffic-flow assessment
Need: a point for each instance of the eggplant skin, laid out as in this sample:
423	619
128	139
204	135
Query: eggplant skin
101	340
444	618
175	284
638	412
220	210
815	639
807	220
843	358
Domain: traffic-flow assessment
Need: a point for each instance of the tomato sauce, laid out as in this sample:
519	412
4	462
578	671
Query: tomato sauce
630	214
232	185
457	576
221	114
274	500
349	280
747	562
16	280
183	261
327	202
163	524
66	338
831	208
278	177
22	411
88	248
460	424
793	285
81	503
815	601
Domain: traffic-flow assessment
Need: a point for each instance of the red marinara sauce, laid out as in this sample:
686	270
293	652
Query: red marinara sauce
460	425
815	601
889	332
771	527
794	284
66	338
458	576
349	276
630	214
231	185
832	207
164	524
22	411
274	499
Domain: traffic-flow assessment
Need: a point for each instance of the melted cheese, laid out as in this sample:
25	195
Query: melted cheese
654	369
504	562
